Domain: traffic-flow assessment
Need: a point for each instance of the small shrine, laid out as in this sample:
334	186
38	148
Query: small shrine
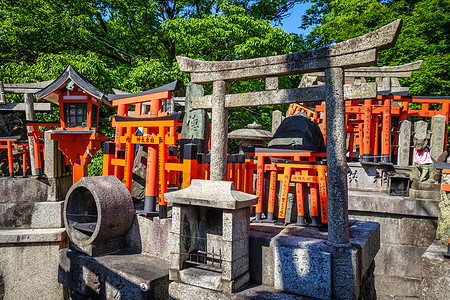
79	103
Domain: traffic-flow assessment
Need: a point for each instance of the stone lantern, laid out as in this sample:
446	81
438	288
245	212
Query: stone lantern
252	136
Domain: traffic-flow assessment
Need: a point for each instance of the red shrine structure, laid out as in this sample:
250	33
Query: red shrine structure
79	101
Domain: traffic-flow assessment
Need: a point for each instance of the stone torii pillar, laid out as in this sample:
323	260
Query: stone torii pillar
358	52
27	89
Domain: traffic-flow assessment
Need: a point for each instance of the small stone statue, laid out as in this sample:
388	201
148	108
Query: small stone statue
422	160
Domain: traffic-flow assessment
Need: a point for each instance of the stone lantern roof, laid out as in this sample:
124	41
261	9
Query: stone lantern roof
253	132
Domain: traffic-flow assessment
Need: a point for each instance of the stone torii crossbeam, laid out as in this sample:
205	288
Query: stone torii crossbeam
333	60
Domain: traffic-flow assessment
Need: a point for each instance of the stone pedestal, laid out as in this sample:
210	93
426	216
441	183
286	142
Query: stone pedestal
299	260
210	236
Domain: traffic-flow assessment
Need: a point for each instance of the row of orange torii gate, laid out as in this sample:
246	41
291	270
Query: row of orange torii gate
372	127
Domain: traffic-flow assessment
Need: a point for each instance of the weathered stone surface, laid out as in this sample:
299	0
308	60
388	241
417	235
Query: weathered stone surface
277	118
443	229
252	136
150	236
104	204
437	141
121	276
31	215
389	287
16	236
308	94
404	144
421	130
303	272
196	123
337	192
208	193
382	203
399	260
389	225
272	83
182	291
368	178
19	190
219	131
29	268
435	273
354	260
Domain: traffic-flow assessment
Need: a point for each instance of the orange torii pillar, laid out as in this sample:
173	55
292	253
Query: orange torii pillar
386	129
9	147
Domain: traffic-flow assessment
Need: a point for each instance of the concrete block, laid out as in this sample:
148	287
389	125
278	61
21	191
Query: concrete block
417	232
435	273
399	260
121	276
303	272
31	215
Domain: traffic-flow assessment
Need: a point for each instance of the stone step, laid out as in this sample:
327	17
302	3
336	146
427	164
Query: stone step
118	276
31	215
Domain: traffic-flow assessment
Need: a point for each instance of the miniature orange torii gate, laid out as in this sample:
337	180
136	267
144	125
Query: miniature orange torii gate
262	154
123	101
158	134
299	172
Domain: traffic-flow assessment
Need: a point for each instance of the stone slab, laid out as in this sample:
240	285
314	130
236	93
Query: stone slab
383	203
16	190
120	276
31	215
435	273
19	236
303	272
209	193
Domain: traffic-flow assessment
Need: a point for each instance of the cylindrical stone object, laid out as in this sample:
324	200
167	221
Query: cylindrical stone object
97	209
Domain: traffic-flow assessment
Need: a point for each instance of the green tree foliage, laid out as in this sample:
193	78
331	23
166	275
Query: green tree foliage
425	34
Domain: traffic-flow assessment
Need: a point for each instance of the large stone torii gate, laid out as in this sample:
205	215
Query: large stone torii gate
333	60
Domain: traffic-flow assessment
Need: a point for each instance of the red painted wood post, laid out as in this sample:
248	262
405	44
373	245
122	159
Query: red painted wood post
10	158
